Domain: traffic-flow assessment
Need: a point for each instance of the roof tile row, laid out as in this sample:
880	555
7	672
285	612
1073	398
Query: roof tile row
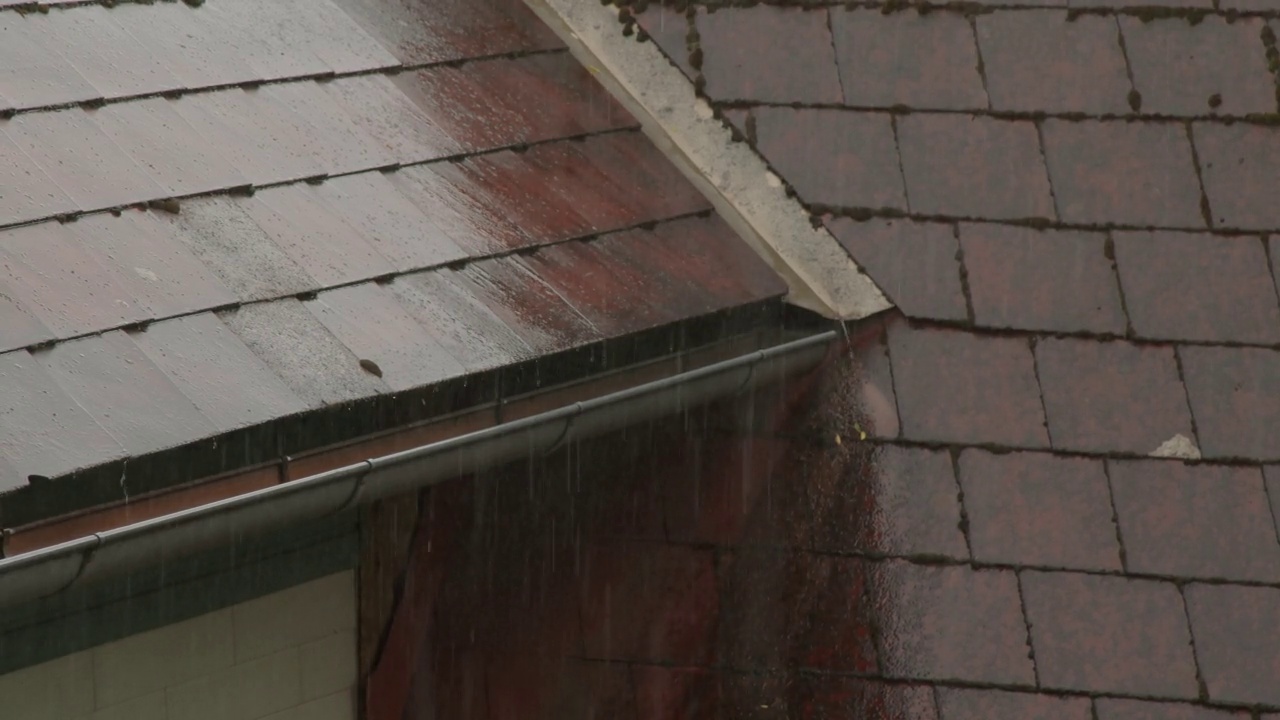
1034	61
92	52
103	271
78	160
1083	395
77	402
1158	285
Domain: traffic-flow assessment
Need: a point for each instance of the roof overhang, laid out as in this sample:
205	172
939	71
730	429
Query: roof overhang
112	553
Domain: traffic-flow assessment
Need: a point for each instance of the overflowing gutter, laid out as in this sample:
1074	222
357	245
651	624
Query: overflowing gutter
112	553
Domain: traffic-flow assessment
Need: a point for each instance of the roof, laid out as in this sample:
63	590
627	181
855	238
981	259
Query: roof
244	228
1073	210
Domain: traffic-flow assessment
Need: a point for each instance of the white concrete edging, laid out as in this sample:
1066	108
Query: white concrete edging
819	273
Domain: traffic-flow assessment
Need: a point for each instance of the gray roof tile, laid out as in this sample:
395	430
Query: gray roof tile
32	73
151	266
63	284
373	325
235	249
26	191
212	367
464	325
81	159
394	226
176	157
261	138
298	348
329	250
100	48
124	392
42	430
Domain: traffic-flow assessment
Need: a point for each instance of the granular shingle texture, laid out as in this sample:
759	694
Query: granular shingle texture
1084	266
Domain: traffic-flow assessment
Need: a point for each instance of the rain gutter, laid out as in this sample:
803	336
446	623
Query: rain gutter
111	553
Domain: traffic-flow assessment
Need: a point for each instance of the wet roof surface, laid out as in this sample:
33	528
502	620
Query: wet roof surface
1073	210
353	179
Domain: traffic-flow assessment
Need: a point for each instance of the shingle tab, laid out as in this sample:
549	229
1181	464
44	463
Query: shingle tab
32	73
875	72
1210	67
211	366
332	252
743	61
160	273
1109	634
1196	286
946	159
81	159
1111	397
610	289
971	620
462	218
642	176
372	324
63	284
264	140
1039	61
833	157
291	38
463	324
338	143
1195	521
395	227
105	53
1037	509
538	315
189	43
125	392
988	384
18	326
235	249
26	192
1235	399
42	430
1237	632
1137	174
507	183
378	106
1053	280
1239	162
302	352
172	153
916	264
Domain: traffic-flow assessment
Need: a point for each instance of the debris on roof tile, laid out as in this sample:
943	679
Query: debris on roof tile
372	324
303	352
220	375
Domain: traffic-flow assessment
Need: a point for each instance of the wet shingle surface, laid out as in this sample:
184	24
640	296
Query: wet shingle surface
1083	261
154	292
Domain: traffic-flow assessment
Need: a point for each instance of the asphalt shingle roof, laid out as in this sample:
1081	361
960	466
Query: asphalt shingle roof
1073	207
214	215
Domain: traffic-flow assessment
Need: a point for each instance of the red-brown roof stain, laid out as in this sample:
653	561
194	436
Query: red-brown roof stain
343	183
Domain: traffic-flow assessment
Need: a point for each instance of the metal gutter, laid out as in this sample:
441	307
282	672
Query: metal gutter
70	565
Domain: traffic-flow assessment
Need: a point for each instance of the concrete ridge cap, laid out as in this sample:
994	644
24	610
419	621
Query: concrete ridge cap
820	275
